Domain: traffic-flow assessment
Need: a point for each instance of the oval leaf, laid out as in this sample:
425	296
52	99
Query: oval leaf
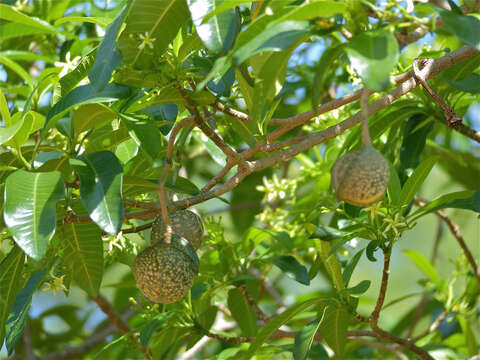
373	55
304	339
101	188
242	312
30	213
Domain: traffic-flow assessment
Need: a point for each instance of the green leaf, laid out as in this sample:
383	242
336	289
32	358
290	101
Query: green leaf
470	340
145	133
467	28
274	38
152	326
268	83
416	180
329	56
81	95
413	143
468	200
334	327
348	271
89	116
470	84
108	57
394	187
31	122
217	155
360	288
424	265
11	281
292	268
84	253
273	325
315	9
16	318
242	312
159	21
71	79
17	69
4	111
101	188
304	339
219	32
331	263
11	14
373	56
224	6
6	133
30	209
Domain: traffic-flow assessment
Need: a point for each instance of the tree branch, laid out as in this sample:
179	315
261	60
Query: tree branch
457	234
398	354
383	287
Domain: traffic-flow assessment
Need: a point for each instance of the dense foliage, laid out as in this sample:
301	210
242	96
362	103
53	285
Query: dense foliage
115	112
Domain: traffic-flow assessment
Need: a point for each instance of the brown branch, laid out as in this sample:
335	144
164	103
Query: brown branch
434	326
141	204
117	321
27	341
457	234
383	287
252	303
137	229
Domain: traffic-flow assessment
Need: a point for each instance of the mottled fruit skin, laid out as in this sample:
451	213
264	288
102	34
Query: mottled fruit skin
184	223
165	272
361	177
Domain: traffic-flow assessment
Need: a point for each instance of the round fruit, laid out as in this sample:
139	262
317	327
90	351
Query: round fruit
184	223
361	177
165	272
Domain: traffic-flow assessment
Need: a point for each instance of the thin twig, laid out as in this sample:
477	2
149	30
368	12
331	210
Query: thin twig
434	326
457	234
117	321
252	303
27	341
364	107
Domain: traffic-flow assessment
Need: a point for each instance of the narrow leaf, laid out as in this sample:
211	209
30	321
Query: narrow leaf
424	265
108	57
412	185
101	188
11	282
468	200
16	319
347	273
292	268
30	209
304	339
273	325
360	288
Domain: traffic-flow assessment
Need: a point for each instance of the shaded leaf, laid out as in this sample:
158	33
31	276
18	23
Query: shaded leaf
292	268
334	327
273	325
468	200
373	56
412	185
30	209
152	326
470	84
84	252
467	28
101	188
348	271
145	133
81	95
11	281
16	319
242	312
157	22
360	288
304	339
108	57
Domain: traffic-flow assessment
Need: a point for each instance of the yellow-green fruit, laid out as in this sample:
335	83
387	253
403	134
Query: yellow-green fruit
165	272
361	177
184	223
